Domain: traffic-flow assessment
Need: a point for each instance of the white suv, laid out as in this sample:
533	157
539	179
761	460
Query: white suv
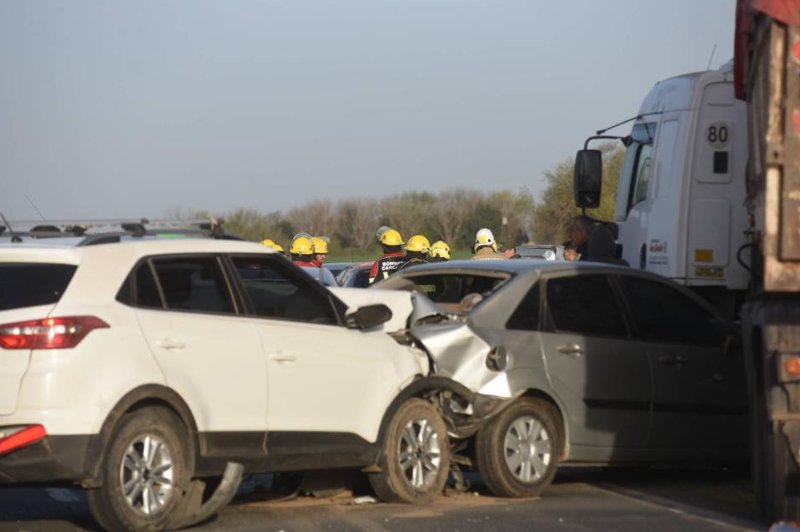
146	371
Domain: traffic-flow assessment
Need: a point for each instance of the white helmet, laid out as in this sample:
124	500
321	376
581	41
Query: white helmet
484	238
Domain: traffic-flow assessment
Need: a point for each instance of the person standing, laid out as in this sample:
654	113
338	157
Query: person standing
593	242
486	246
439	252
302	250
393	257
320	250
417	250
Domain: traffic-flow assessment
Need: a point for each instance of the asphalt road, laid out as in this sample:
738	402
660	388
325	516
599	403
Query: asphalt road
581	499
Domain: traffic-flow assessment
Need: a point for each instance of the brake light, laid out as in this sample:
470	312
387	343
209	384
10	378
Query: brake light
49	333
21	438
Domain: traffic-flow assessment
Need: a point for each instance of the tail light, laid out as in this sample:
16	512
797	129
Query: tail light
49	333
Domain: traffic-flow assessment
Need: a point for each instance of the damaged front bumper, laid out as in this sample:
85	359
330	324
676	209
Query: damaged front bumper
470	375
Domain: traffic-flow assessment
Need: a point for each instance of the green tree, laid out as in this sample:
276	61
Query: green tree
552	216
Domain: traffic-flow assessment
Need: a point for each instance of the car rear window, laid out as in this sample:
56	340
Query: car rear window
451	288
29	285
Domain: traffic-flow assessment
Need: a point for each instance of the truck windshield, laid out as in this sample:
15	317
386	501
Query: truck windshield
636	169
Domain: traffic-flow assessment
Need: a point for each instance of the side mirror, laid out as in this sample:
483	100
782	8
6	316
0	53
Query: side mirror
368	317
588	179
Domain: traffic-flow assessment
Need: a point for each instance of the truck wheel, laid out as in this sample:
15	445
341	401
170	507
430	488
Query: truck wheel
415	459
145	472
517	451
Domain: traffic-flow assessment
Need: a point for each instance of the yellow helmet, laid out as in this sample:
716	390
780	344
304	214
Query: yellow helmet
440	250
302	245
272	244
391	237
320	245
419	244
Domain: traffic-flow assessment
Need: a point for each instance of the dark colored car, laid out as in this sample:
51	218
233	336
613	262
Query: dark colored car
355	276
611	365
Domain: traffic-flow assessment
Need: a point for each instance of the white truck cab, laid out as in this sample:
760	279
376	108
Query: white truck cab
682	187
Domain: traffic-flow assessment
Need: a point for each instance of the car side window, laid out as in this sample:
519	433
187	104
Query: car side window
661	313
193	283
274	292
526	315
584	304
147	295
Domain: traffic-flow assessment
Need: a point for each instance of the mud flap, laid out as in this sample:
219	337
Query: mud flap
194	510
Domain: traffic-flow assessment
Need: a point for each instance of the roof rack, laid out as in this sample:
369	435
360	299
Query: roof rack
115	230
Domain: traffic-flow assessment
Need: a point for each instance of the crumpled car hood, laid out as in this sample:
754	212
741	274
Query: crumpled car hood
457	352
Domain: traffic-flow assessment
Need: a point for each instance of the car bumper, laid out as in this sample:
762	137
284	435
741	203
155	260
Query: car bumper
53	458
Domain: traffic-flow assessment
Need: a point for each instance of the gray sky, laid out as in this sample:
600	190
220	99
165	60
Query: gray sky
128	109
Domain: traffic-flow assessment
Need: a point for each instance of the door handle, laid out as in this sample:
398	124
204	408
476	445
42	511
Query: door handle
570	349
672	360
282	357
170	344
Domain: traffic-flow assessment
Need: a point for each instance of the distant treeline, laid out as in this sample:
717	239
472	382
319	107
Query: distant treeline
452	215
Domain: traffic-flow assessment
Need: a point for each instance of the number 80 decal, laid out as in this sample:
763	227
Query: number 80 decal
717	134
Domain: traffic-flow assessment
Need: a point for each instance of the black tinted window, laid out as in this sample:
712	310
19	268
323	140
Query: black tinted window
140	288
195	283
275	292
29	285
526	316
585	305
452	288
661	313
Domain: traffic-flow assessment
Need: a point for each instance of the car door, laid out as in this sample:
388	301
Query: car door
328	386
600	373
208	354
699	391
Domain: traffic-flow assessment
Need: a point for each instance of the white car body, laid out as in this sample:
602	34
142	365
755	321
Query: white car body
281	381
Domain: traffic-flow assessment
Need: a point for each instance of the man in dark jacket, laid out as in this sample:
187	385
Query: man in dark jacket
593	241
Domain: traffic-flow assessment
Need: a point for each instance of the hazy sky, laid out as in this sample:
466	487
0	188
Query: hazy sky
128	109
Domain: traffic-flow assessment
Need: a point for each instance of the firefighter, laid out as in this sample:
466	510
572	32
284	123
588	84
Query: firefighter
486	246
320	250
417	250
302	250
393	257
439	252
274	245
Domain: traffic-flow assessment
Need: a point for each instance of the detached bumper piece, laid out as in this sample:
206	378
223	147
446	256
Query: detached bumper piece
28	454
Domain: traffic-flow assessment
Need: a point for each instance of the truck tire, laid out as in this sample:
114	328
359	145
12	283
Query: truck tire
415	459
145	472
517	451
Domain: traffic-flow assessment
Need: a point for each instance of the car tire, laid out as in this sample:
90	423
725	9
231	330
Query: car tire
145	472
415	458
517	452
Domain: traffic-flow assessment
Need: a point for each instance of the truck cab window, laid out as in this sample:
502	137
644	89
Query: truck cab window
637	168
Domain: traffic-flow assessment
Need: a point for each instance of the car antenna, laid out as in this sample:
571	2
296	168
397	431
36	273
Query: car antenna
708	66
34	207
14	238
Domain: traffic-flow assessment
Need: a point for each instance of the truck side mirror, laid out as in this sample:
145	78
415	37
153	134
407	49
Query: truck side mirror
588	179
